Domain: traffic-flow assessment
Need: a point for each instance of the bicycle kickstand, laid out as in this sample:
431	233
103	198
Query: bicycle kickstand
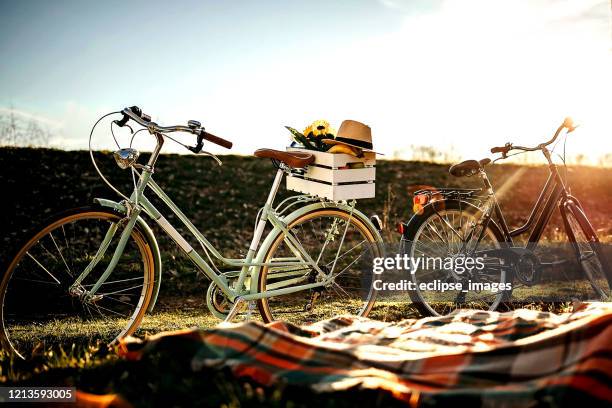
234	310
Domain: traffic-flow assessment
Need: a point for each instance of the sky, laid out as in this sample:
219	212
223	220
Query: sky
452	74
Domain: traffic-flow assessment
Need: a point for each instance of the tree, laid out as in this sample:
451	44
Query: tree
18	131
606	160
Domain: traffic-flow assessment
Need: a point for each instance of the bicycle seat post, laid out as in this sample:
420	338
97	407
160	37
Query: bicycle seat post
267	207
263	220
485	179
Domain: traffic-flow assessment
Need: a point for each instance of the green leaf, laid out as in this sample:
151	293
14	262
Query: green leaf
303	140
314	141
294	132
300	138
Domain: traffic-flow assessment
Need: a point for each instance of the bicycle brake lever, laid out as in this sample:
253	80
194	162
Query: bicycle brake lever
123	123
118	123
199	144
205	153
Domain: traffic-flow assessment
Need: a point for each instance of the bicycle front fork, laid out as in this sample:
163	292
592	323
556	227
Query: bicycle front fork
76	289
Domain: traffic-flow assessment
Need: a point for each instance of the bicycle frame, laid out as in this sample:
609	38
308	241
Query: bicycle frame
249	266
553	193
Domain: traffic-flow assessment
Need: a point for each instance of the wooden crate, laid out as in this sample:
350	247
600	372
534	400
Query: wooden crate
335	176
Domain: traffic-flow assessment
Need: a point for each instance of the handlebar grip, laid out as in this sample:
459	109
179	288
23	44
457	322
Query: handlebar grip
217	140
501	149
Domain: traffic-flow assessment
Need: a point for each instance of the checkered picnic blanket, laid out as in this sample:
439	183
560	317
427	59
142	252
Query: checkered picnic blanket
518	358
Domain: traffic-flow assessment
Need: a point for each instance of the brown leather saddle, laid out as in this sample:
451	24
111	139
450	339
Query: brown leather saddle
292	159
468	167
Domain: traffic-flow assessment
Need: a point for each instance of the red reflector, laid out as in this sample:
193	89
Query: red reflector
400	228
420	199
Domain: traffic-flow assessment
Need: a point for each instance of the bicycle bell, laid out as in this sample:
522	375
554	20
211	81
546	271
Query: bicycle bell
194	124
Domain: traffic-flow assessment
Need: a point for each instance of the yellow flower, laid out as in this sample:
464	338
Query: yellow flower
307	131
320	127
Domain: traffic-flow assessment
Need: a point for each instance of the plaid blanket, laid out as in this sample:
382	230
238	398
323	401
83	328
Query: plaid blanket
518	358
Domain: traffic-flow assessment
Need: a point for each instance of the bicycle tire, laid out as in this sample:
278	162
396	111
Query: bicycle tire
597	282
61	220
420	219
264	305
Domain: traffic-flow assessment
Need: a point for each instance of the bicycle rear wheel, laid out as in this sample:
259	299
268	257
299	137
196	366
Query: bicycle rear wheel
449	229
348	260
38	303
589	252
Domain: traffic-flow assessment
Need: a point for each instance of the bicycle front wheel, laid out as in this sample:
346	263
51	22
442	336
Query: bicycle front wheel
41	304
343	247
589	253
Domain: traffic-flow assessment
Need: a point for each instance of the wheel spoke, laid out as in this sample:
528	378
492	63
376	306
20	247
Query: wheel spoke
346	294
114	281
47	251
347	252
61	255
36	281
121	290
44	269
349	265
117	300
109	310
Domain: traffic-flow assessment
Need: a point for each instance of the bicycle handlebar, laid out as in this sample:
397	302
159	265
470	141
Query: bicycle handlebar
568	124
216	140
501	149
137	115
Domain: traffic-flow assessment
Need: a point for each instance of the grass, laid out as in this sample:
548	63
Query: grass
179	313
192	312
223	202
176	313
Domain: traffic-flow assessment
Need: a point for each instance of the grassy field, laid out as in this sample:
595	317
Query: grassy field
222	202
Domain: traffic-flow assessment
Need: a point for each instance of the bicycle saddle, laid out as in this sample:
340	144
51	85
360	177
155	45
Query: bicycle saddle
292	159
468	168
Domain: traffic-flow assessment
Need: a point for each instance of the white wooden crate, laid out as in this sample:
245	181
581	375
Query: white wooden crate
334	176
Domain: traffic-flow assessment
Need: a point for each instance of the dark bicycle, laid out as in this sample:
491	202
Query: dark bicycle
460	223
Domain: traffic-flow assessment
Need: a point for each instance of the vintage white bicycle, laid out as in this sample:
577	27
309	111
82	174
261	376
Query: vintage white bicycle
98	269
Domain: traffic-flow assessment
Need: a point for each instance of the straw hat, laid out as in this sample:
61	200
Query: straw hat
354	134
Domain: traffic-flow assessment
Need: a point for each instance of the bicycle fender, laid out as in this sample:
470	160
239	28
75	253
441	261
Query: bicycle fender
263	249
144	227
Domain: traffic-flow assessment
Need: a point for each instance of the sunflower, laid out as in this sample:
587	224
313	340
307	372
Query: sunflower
307	132
312	136
319	128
